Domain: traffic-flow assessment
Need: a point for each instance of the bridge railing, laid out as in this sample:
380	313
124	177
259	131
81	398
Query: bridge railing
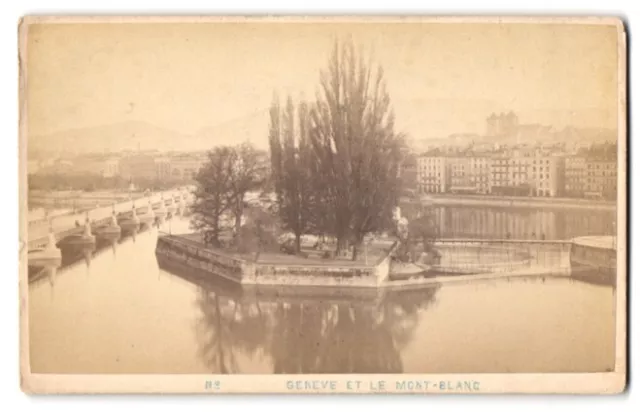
64	225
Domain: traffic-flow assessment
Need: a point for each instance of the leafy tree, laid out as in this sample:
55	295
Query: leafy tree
356	152
258	234
222	185
290	157
248	173
213	185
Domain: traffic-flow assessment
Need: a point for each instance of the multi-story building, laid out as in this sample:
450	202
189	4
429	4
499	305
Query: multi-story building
588	177
138	166
515	173
457	174
186	166
575	176
601	178
111	167
481	174
509	176
163	168
527	174
546	175
433	176
460	172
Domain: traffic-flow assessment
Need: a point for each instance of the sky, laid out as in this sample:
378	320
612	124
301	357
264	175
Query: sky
220	77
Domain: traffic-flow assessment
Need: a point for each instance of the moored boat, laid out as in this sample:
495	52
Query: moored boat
130	223
160	211
148	217
85	238
113	229
46	256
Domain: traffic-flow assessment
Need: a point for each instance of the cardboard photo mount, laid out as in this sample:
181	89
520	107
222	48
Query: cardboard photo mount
613	382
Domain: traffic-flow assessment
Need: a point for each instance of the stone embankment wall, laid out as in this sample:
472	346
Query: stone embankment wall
247	272
584	257
177	250
524	202
485	257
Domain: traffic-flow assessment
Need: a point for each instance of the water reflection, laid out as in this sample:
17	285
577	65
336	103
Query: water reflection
323	332
128	318
40	273
519	223
74	253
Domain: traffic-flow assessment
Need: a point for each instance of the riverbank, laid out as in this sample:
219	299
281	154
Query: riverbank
515	201
183	249
286	270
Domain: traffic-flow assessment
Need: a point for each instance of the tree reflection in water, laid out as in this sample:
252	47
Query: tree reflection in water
319	333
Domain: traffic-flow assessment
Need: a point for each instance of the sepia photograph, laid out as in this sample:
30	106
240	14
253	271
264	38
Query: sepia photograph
323	205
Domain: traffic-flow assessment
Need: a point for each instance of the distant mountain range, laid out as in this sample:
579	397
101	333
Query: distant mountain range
134	135
530	134
129	135
140	135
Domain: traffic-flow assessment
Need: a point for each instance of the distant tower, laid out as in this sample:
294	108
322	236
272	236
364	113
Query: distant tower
511	124
491	125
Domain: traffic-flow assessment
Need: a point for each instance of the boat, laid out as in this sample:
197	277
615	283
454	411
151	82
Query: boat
85	238
171	206
161	210
147	218
180	205
42	271
50	255
130	223
112	230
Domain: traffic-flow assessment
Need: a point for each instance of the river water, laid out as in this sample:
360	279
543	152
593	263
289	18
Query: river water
117	310
522	223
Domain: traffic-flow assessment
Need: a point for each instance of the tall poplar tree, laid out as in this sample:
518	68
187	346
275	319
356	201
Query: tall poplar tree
289	166
357	153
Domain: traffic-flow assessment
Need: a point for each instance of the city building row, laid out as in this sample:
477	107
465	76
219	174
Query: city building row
148	166
518	175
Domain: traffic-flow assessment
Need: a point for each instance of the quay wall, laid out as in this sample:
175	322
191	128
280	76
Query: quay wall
247	272
585	258
176	250
472	256
529	258
531	202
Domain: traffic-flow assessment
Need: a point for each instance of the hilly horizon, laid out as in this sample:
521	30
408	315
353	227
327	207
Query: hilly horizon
126	135
135	134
